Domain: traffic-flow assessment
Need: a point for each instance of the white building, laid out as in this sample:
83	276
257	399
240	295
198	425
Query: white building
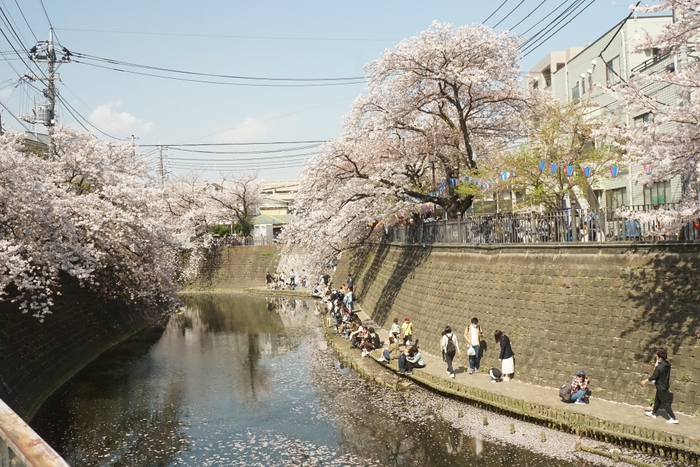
583	73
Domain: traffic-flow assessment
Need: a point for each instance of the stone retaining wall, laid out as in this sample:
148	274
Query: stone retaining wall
234	268
37	358
604	308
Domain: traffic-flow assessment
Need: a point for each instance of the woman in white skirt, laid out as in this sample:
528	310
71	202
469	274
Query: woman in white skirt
506	356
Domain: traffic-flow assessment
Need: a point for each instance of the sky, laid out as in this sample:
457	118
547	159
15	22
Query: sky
271	129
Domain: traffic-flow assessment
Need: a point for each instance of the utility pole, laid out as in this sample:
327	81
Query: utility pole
45	52
161	168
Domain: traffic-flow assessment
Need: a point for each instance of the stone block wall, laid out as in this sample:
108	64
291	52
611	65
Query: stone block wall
237	268
37	358
603	308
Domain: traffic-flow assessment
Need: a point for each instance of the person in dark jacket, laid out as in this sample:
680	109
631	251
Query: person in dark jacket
661	379
506	356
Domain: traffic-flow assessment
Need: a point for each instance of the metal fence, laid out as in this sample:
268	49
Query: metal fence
602	225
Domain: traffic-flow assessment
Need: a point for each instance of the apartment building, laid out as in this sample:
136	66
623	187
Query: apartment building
586	72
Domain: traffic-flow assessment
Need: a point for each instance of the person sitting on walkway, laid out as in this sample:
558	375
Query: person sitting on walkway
579	388
506	356
371	342
356	336
391	350
450	347
410	358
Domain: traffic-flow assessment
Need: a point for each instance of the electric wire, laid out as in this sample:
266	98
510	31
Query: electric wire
538	38
545	17
528	15
508	15
233	144
220	82
543	41
263	158
269	151
210	75
25	20
495	11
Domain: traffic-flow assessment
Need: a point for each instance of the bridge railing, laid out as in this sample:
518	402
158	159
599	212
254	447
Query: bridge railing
20	446
602	225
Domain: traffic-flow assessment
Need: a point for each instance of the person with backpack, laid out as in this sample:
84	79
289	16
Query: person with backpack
577	390
450	347
661	379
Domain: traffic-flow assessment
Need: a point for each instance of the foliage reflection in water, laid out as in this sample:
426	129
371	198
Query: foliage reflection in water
246	381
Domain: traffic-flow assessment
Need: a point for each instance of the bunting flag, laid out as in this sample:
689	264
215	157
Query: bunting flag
554	168
647	169
587	171
569	170
542	164
466	179
613	170
453	181
571	181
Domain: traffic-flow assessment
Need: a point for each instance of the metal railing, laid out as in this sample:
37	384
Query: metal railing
602	225
20	446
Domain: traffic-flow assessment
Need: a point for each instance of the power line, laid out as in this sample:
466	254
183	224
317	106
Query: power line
14	116
220	82
495	11
560	28
537	37
232	144
198	151
25	20
509	13
211	75
528	15
545	17
274	158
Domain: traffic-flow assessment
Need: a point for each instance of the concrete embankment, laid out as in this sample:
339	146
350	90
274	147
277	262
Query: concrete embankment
603	308
601	420
38	358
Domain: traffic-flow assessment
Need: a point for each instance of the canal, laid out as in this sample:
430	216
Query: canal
238	380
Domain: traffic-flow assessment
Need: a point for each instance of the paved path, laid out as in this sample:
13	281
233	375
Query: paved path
606	411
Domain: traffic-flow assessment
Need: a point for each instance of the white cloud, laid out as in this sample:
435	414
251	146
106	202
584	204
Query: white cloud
105	117
251	129
6	93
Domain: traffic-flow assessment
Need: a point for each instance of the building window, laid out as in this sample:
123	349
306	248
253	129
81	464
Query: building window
657	193
615	198
583	86
575	92
535	84
643	119
612	71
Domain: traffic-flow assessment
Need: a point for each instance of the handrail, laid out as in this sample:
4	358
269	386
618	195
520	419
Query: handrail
21	446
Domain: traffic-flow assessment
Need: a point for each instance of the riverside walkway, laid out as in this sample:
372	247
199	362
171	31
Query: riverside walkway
622	424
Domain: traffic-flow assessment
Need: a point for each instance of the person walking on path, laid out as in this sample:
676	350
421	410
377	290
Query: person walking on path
450	347
506	356
473	336
661	379
407	331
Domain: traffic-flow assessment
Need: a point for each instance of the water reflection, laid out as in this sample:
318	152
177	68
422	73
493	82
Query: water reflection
238	380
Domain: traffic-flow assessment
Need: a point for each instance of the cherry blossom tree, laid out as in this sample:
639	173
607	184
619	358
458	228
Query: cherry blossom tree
670	142
436	105
88	213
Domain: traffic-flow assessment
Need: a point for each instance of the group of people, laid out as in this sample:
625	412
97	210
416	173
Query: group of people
283	281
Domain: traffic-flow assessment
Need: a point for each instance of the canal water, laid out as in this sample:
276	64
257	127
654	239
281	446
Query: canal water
237	380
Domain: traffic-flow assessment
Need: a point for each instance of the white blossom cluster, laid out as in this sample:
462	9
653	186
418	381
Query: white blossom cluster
435	105
90	212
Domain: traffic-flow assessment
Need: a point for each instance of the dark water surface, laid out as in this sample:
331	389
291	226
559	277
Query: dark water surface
241	380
